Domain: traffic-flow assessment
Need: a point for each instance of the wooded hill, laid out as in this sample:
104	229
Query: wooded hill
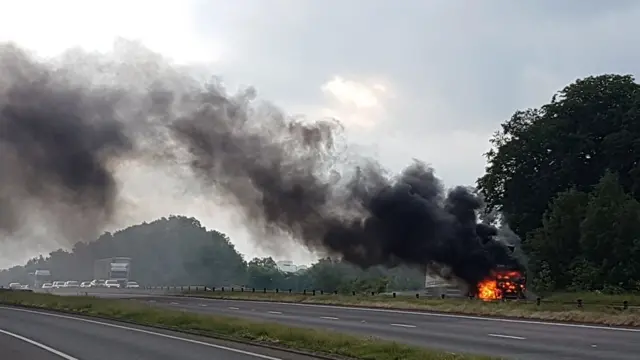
180	251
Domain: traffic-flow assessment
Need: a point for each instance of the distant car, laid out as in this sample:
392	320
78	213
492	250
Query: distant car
85	284
112	284
71	284
97	283
132	285
58	284
14	286
24	287
47	285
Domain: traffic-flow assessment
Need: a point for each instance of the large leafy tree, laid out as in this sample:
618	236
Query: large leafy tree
554	246
588	241
591	126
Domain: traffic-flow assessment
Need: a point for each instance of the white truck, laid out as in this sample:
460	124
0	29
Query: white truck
116	269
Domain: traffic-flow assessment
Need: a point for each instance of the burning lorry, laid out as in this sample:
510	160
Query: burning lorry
504	283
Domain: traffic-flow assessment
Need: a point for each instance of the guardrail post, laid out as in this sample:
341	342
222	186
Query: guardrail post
417	296
625	305
353	293
253	289
222	289
264	290
579	303
442	296
538	301
321	292
304	292
394	295
314	292
289	291
232	289
277	290
242	289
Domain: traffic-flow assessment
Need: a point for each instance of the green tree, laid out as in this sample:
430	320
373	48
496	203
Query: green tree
556	244
609	236
170	251
590	126
330	275
264	273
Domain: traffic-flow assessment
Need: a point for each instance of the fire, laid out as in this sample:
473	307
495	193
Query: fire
488	290
499	284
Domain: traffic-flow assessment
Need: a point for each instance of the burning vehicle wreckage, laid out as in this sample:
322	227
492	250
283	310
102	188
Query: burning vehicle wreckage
506	281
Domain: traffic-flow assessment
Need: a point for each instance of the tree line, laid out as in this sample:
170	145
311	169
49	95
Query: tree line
179	251
565	177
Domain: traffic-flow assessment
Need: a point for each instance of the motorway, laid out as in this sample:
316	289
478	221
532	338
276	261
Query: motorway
512	339
38	335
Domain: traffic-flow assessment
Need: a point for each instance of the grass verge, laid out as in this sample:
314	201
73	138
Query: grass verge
309	340
596	310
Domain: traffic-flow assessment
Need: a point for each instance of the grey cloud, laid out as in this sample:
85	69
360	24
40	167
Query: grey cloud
457	64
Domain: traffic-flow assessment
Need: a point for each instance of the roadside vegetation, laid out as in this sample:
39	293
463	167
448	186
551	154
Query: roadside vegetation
309	340
595	309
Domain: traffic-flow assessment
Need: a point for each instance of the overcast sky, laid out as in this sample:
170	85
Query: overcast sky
426	79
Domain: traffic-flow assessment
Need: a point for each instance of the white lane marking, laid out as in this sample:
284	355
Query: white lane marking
403	325
174	303
329	318
203	305
233	308
152	301
37	344
148	332
507	336
451	316
275	312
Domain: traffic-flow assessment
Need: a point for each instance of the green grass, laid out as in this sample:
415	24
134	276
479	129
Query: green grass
594	298
597	308
309	340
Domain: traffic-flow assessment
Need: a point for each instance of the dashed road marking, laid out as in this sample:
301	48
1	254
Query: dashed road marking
174	303
329	318
507	336
403	325
203	305
233	308
442	315
275	312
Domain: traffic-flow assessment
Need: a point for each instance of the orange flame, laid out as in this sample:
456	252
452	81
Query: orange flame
488	290
494	287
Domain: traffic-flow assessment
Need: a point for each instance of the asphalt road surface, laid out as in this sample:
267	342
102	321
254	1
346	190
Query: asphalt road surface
512	339
37	335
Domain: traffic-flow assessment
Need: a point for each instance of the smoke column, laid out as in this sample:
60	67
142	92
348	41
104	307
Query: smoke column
67	123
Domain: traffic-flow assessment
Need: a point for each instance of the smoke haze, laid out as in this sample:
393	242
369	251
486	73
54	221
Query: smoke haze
66	124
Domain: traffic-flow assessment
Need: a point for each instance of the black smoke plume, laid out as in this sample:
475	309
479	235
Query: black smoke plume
66	125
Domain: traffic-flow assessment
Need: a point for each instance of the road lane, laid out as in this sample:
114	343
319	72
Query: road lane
14	347
510	338
27	334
